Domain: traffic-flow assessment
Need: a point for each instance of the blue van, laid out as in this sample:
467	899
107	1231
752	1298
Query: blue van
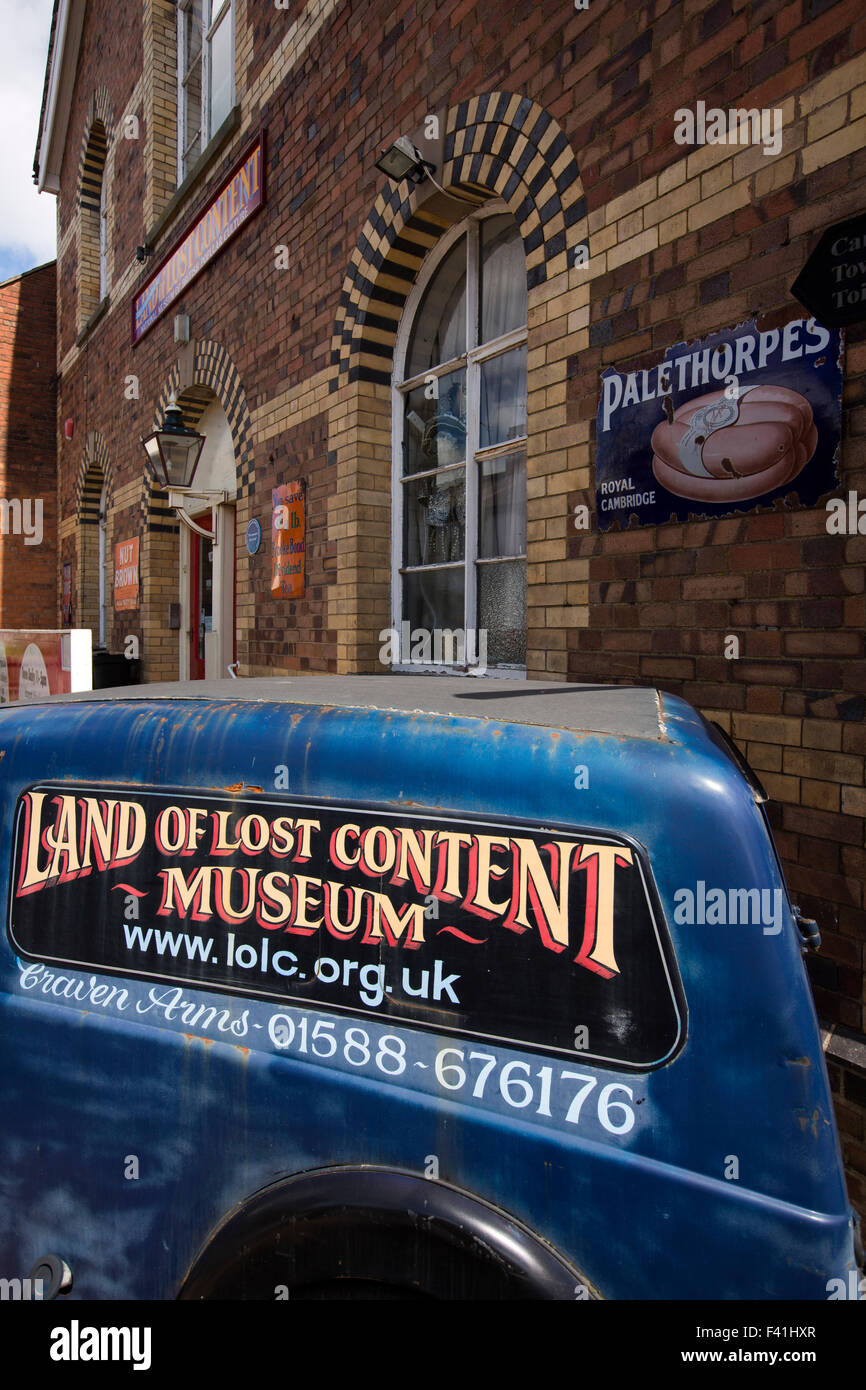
403	986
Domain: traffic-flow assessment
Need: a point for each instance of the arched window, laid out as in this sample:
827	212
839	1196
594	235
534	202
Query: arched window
103	241
93	240
459	480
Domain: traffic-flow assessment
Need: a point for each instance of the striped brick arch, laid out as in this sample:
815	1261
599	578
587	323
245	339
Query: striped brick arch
94	148
214	374
91	172
94	470
501	145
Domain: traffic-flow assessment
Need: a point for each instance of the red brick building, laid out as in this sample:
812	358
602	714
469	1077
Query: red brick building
427	358
28	449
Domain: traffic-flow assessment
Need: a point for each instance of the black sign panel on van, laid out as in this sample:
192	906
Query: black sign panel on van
542	937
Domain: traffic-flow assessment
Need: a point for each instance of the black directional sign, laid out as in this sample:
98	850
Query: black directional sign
832	283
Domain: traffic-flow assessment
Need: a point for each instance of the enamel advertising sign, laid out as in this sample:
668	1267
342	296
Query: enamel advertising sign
238	198
481	929
721	426
289	536
126	574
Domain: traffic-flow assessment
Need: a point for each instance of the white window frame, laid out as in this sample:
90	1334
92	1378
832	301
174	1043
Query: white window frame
103	238
101	550
213	14
472	360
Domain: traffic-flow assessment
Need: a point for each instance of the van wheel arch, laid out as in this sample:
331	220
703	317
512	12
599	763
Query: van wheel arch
369	1232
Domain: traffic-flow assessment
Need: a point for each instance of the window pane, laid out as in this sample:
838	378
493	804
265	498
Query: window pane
503	397
439	333
433	599
435	430
214	13
220	73
434	518
502	611
192	119
502	506
103	239
503	277
191	155
192	34
191	89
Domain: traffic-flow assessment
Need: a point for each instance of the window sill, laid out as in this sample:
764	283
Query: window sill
228	128
91	323
844	1046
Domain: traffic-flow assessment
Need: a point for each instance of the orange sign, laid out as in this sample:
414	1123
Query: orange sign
126	574
289	537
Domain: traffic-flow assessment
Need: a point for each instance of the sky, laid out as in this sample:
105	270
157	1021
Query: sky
27	218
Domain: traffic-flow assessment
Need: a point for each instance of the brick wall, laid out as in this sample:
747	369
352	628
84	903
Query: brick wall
28	572
664	599
296	629
845	1052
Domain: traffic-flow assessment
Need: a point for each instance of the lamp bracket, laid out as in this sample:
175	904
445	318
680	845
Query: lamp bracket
179	497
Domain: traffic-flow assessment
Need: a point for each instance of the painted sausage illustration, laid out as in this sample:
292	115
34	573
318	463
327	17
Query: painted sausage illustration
720	450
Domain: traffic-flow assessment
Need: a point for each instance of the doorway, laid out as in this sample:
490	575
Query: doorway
101	557
210	632
200	598
207	564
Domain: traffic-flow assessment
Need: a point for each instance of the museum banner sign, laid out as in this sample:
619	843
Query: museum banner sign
240	195
492	930
722	425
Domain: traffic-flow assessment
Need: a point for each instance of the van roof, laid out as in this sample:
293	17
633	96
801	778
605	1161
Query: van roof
627	711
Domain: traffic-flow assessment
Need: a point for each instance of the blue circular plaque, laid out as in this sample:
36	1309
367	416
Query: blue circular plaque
254	536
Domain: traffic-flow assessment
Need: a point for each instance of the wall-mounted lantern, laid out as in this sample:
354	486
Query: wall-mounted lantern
173	452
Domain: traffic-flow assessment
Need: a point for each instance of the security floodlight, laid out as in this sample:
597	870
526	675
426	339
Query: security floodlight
403	161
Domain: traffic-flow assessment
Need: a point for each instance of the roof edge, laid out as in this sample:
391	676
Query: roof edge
22	274
67	22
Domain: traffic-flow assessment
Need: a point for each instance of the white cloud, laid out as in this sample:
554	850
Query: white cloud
27	218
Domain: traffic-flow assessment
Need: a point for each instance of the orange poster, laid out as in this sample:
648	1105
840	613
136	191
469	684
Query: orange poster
289	537
126	574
